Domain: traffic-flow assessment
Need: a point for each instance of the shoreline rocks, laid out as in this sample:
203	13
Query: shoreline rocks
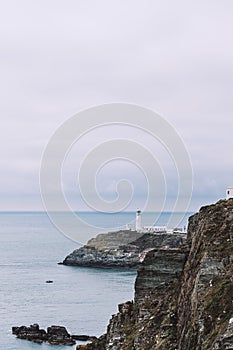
55	335
83	337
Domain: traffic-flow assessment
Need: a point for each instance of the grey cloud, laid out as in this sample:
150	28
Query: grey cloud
58	57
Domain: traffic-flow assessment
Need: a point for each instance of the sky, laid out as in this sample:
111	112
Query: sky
58	58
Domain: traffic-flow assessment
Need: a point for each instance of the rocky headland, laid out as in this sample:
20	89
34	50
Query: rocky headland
183	294
122	249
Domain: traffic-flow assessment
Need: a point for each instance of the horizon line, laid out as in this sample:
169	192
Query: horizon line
88	211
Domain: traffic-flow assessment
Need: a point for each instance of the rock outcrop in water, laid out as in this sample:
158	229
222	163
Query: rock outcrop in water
55	335
183	296
122	249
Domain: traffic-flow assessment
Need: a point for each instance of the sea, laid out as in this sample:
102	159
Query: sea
81	299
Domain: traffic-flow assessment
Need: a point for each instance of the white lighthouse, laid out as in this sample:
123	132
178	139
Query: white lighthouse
229	192
138	221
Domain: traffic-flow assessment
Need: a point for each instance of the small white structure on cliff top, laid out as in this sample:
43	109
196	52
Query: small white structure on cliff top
229	192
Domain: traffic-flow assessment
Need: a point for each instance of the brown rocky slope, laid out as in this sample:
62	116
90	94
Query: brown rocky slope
183	296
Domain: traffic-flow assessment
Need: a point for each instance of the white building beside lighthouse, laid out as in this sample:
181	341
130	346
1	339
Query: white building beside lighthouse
138	225
153	229
229	192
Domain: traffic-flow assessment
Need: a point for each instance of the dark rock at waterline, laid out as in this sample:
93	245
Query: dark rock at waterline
83	337
32	333
57	335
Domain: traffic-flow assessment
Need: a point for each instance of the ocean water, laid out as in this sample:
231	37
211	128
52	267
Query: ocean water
81	299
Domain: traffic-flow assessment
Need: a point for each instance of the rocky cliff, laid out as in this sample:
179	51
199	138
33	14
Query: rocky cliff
122	249
183	296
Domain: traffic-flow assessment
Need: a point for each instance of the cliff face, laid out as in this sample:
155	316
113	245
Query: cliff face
183	296
122	249
205	302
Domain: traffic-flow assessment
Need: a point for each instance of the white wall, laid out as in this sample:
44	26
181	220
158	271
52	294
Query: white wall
229	192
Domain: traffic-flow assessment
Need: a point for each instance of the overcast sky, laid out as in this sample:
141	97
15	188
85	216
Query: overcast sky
59	57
